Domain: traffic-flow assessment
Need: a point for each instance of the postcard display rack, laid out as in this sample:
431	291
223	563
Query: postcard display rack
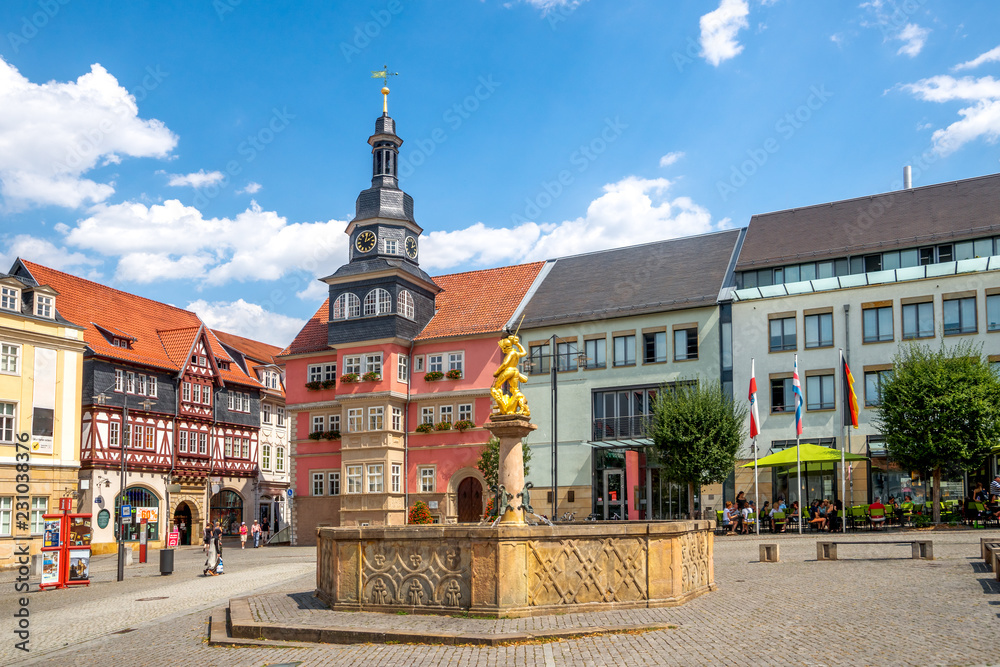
66	548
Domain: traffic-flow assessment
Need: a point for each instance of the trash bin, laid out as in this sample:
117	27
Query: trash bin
166	561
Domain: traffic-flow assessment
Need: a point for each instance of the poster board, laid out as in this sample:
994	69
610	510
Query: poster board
51	536
80	530
173	539
50	568
79	566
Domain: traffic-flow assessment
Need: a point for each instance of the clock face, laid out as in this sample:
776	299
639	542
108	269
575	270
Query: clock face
411	247
365	241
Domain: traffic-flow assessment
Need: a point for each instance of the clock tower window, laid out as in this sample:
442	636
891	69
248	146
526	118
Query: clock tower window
378	302
404	304
346	306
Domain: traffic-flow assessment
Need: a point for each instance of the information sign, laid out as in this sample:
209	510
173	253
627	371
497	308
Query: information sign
51	537
79	564
50	568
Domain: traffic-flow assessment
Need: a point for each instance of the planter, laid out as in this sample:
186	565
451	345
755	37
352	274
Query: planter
464	425
443	426
371	377
349	378
454	374
314	385
433	376
329	384
424	428
332	435
316	435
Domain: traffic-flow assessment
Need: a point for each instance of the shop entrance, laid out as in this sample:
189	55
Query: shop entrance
470	500
614	487
183	521
227	508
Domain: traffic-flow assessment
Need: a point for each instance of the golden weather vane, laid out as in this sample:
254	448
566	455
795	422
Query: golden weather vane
384	74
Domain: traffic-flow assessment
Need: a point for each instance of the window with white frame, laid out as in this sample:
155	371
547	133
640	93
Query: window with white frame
435	363
119	379
373	363
150	437
130	382
140	385
231	400
39	506
182	440
397	419
10	298
333	483
335	422
445	413
151	386
6	510
203	443
265	456
318	478
281	415
246	402
376	416
44	305
397	476
427	480
427	415
376	483
465	412
279	460
245	448
404	304
418	364
114	436
206	396
402	368
346	306
318	424
265	410
7	428
196	393
456	361
228	448
352	364
315	373
378	302
138	436
391	246
354	479
355	419
9	357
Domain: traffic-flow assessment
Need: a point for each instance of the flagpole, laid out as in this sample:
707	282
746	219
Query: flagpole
753	417
798	452
756	495
843	445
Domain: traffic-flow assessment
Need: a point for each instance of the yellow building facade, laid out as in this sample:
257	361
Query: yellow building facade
41	370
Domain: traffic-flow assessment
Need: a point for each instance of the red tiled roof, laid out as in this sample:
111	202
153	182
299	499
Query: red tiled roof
478	302
252	349
312	337
163	333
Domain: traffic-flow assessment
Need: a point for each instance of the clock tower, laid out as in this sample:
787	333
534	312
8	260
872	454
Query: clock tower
381	292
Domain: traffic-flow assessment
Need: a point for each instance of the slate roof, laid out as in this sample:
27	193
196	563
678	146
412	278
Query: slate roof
893	220
163	333
653	277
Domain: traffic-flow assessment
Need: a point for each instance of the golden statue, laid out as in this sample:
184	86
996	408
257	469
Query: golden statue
513	401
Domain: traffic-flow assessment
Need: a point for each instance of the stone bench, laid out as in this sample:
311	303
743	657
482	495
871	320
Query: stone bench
991	548
921	549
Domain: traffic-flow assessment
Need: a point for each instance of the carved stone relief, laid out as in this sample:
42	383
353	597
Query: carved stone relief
416	575
575	571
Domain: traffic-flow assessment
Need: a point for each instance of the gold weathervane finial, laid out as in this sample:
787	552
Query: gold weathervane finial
384	74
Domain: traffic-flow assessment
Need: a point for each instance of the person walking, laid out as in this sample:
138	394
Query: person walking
266	527
255	531
243	535
208	536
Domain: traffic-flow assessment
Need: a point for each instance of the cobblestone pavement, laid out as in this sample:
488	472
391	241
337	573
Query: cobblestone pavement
875	607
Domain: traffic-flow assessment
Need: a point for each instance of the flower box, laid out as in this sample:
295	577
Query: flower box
464	424
329	384
316	435
454	374
371	376
425	428
443	426
314	385
332	435
348	378
433	375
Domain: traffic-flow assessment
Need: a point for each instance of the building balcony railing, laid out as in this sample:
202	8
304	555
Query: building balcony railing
620	428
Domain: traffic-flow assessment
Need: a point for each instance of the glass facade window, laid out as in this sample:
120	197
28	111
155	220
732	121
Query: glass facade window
873	386
445	413
782	334
654	347
819	330
624	350
566	354
960	316
352	364
918	320
596	351
819	392
7	428
877	324
993	312
782	397
538	358
685	344
435	363
143	501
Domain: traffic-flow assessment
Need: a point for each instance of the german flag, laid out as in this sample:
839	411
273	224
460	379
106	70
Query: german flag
850	398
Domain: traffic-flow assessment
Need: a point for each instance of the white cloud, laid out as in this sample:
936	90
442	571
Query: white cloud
249	320
53	133
633	210
43	251
670	158
981	119
991	56
171	240
198	179
914	37
314	291
251	188
548	5
719	29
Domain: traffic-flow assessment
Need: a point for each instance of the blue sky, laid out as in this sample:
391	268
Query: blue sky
208	154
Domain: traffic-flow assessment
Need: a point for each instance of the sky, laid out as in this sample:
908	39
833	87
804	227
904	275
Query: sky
208	153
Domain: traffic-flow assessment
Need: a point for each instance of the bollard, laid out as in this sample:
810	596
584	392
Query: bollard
826	551
128	555
768	553
923	549
36	566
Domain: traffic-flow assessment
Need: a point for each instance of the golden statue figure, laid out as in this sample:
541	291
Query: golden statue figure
513	402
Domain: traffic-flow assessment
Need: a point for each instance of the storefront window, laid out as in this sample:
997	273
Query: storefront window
144	504
227	509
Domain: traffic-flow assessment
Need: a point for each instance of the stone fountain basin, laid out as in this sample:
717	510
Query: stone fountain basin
514	570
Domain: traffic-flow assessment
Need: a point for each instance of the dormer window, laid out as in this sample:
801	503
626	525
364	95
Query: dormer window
10	298
223	365
391	247
202	361
121	342
44	305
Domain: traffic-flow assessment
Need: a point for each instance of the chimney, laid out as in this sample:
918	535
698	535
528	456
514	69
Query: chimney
907	178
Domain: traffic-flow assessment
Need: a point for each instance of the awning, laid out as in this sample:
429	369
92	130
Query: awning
807	454
634	443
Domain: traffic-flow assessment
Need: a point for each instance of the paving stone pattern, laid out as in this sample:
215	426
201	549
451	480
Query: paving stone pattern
874	607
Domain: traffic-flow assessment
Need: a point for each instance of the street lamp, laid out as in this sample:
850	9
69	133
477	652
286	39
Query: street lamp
126	437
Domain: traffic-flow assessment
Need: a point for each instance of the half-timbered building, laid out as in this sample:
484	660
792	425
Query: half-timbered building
161	391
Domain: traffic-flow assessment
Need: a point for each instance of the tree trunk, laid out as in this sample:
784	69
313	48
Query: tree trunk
690	500
937	495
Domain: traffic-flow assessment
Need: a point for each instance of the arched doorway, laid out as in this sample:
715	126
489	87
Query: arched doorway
470	500
227	508
184	522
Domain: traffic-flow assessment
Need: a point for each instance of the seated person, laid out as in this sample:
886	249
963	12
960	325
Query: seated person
818	518
793	513
765	514
726	522
876	521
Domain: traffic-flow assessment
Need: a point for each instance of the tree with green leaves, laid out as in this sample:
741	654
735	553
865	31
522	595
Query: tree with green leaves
696	432
489	465
940	411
